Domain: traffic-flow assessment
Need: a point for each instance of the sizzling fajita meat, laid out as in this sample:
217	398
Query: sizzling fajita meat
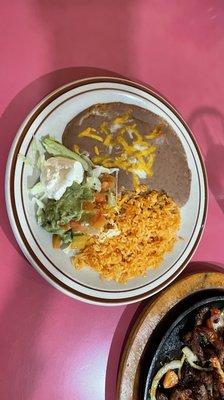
201	369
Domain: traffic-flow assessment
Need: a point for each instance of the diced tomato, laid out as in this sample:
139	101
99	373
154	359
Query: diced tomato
100	197
108	177
77	226
56	241
105	186
94	218
107	182
66	227
98	221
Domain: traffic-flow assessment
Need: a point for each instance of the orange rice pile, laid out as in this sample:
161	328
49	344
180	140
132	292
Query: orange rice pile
148	223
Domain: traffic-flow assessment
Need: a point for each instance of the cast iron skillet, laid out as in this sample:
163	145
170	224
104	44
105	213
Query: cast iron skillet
165	344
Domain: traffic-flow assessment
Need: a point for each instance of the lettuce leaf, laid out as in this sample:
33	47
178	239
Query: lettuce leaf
55	148
37	190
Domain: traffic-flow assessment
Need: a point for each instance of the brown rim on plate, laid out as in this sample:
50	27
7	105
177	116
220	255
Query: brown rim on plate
44	271
128	374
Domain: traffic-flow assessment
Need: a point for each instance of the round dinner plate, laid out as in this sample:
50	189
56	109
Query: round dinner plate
51	116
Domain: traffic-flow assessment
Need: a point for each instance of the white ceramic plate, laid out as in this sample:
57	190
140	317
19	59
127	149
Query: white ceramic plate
50	117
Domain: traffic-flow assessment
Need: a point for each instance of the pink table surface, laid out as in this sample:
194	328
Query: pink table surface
53	347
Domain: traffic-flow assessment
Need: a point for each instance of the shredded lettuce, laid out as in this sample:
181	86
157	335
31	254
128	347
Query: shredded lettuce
99	170
40	206
39	203
41	162
36	158
55	148
94	183
36	149
66	249
26	160
54	215
37	189
93	180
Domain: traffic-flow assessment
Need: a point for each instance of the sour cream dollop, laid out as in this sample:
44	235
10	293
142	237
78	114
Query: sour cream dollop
58	174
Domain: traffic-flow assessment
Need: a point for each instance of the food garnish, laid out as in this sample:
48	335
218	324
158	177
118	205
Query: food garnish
136	155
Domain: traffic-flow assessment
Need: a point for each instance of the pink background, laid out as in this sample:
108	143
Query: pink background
53	347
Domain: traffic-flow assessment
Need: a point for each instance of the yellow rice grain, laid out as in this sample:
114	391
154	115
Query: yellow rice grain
148	223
